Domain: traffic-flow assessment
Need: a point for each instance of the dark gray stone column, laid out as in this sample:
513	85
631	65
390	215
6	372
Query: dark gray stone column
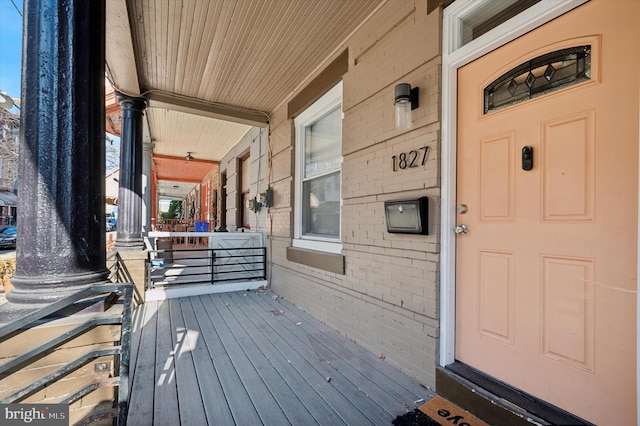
129	227
61	222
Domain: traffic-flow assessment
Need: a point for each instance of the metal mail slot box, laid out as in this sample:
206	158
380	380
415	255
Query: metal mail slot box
407	216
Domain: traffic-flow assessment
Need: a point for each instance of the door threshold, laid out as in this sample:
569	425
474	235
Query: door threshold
497	402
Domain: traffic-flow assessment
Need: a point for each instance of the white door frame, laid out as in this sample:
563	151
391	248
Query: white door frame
453	57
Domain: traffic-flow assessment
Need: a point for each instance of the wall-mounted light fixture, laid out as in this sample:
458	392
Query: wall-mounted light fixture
406	100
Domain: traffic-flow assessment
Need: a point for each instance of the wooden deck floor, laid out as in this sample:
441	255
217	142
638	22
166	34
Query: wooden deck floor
251	358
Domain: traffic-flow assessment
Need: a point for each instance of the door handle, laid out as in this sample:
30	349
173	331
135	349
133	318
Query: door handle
462	229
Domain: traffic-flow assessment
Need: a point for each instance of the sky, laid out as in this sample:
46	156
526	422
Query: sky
10	46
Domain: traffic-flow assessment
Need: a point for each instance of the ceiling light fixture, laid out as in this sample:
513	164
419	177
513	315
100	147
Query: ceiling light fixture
189	157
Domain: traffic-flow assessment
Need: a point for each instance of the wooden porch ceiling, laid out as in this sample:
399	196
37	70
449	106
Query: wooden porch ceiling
180	169
177	176
212	68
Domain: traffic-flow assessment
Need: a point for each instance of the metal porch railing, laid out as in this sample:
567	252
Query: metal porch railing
118	272
173	267
120	351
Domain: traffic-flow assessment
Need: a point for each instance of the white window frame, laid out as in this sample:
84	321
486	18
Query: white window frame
455	56
326	103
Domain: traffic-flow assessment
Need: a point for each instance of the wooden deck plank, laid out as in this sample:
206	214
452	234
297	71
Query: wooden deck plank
355	389
315	370
382	382
364	383
365	361
321	412
235	358
137	321
261	355
189	395
213	398
368	373
262	399
313	373
142	381
365	367
166	410
237	396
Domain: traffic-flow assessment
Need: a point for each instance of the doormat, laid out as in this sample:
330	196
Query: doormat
438	412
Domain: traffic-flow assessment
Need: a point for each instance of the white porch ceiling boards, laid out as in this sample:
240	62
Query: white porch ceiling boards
176	133
245	54
168	190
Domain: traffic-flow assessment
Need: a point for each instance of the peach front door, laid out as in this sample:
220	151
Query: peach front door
546	271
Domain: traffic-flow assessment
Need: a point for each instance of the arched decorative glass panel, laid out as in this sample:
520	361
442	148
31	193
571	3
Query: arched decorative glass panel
538	76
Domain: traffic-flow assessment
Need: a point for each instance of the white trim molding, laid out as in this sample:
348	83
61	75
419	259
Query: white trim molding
456	56
188	290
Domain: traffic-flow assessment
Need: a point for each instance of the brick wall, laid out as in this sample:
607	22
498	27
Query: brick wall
211	182
255	142
387	299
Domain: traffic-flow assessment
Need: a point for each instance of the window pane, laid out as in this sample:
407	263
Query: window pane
323	141
490	15
541	75
321	209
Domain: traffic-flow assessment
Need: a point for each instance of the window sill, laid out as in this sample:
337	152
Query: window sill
329	246
330	262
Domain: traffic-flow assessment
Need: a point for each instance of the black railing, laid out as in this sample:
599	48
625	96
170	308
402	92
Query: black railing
205	266
118	272
120	351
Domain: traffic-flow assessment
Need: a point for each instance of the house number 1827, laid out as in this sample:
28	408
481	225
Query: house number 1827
413	158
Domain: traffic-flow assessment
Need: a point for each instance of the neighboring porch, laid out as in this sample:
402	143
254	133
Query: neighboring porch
182	264
253	358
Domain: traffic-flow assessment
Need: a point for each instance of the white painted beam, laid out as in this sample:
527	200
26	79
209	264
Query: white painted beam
207	109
